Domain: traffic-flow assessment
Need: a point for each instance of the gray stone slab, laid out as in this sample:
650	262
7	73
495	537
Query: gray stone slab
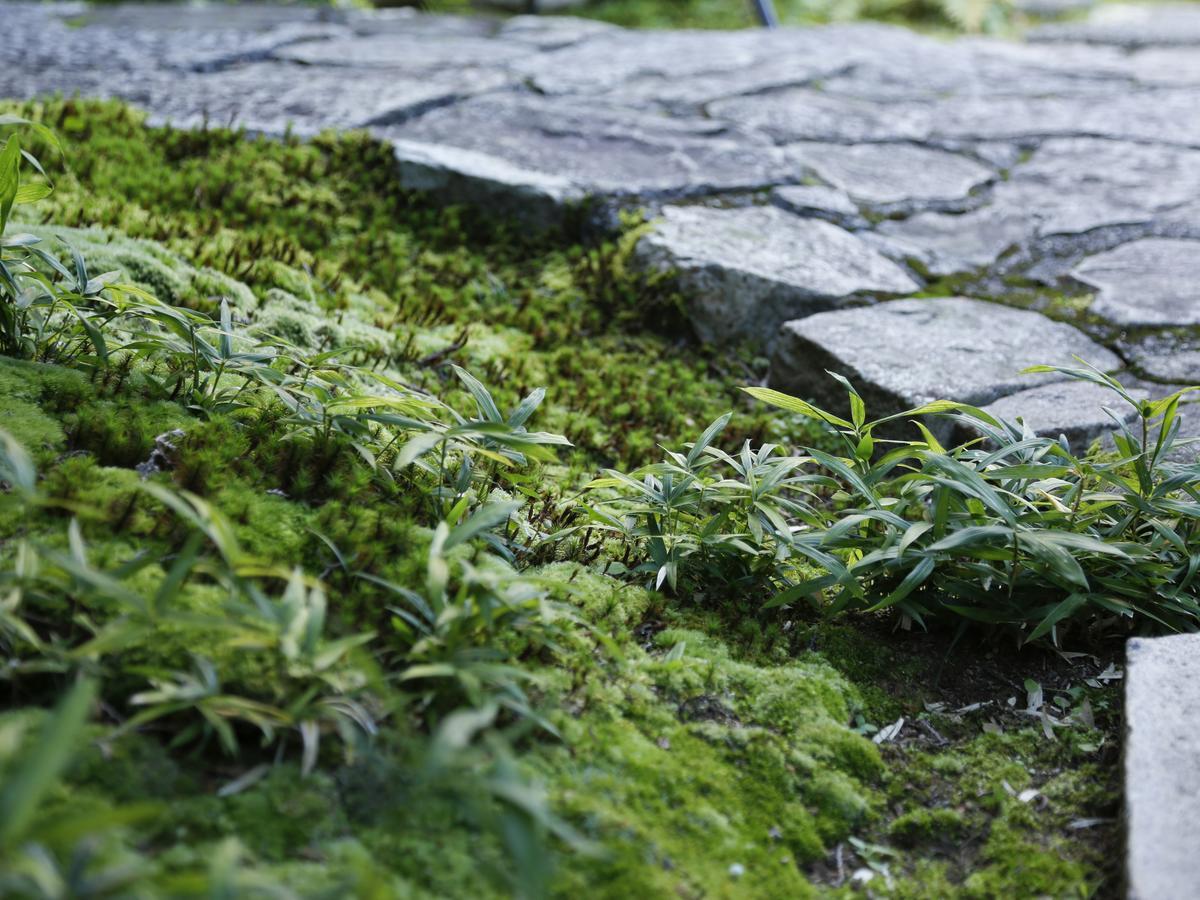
1169	356
980	68
1130	25
145	37
411	21
1071	192
195	18
608	152
674	67
467	176
271	97
949	244
1163	116
745	271
904	353
815	201
1164	65
1076	409
1162	781
895	178
408	52
552	32
807	114
1145	283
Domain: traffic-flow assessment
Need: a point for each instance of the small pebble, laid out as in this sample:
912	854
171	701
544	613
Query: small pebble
737	870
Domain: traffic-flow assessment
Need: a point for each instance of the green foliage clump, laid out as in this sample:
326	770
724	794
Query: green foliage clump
1005	529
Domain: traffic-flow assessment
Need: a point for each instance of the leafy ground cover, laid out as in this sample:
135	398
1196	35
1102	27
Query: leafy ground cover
296	597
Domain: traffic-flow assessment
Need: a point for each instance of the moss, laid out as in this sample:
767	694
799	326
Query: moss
1013	862
921	826
997	808
690	768
24	387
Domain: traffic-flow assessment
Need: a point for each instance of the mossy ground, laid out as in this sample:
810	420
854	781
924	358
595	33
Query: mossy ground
707	749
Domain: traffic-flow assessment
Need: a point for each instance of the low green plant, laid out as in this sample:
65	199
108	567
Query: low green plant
48	311
1005	528
463	632
708	519
1010	528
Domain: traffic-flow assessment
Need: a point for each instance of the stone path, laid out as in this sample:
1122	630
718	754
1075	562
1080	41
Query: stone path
799	177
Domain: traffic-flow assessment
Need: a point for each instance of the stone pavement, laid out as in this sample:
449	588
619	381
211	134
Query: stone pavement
797	176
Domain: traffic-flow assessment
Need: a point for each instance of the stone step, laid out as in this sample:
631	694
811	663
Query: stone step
904	353
745	271
1162	767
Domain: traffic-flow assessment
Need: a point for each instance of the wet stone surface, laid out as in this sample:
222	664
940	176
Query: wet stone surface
790	173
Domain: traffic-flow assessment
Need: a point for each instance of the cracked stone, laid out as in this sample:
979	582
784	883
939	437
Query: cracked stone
819	202
745	271
271	97
1169	357
1073	188
1163	116
905	353
410	21
1145	283
932	71
693	67
610	153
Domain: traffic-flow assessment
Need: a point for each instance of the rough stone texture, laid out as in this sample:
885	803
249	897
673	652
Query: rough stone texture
1172	357
610	152
693	67
895	178
819	202
412	53
1147	282
1072	408
1130	26
807	114
905	353
1077	188
1162	783
745	271
269	98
